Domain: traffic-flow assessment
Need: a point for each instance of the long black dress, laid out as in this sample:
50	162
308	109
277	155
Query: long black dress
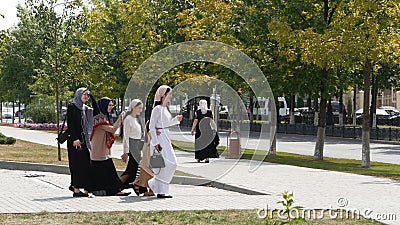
78	159
207	139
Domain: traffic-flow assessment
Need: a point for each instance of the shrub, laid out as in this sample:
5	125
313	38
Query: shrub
41	113
6	140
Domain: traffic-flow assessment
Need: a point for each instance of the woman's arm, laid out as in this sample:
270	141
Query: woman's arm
155	116
125	139
113	128
195	121
74	123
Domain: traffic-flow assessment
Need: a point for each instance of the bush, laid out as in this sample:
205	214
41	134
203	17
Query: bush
41	113
6	140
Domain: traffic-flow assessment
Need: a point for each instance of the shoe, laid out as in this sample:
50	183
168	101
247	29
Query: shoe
142	190
163	196
71	188
207	161
122	193
135	188
100	193
80	194
198	160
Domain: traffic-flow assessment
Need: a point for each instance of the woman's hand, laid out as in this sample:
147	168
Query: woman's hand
76	143
158	147
192	132
122	115
124	157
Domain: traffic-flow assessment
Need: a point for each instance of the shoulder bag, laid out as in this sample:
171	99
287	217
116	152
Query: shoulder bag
63	135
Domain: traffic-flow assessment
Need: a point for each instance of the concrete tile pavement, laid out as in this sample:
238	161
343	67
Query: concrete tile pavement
312	188
31	191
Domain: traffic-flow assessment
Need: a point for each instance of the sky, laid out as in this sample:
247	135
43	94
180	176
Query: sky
8	8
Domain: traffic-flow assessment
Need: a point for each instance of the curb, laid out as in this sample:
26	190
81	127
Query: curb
182	180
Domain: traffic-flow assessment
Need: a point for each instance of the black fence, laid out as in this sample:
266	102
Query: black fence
388	134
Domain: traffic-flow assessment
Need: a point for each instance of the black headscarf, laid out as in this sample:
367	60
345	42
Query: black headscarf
103	106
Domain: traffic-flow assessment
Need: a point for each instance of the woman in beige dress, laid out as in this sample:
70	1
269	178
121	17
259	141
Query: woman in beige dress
146	172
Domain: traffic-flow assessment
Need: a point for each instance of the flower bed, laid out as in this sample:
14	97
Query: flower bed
34	126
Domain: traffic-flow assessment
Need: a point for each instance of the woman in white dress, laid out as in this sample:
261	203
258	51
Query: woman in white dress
160	120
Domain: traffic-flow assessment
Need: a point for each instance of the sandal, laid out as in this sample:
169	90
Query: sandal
122	193
136	189
149	193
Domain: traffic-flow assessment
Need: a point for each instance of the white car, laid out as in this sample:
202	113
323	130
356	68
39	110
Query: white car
379	113
393	112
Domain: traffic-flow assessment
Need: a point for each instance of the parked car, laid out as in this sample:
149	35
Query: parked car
380	113
335	107
6	115
20	113
393	112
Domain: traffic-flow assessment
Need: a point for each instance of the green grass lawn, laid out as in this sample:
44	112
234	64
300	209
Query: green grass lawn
160	217
378	169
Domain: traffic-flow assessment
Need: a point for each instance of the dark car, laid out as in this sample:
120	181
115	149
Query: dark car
20	113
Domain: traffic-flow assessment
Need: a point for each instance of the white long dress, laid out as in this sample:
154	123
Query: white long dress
161	119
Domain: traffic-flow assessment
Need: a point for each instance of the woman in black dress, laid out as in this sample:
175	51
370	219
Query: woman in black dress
80	124
207	138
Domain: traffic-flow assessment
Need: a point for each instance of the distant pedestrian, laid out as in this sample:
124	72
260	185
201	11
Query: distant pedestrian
132	144
80	124
104	175
161	119
204	129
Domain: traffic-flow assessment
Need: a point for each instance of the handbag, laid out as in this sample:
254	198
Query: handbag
157	160
63	135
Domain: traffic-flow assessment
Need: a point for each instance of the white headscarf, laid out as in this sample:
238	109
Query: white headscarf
203	106
135	103
161	92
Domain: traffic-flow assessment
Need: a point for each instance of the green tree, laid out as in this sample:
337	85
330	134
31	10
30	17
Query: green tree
369	35
304	31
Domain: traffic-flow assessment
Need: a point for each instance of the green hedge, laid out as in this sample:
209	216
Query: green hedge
41	113
6	140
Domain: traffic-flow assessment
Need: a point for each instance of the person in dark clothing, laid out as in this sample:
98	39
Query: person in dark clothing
207	138
80	124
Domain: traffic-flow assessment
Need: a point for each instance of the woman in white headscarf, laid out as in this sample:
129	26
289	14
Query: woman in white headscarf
161	119
207	138
80	125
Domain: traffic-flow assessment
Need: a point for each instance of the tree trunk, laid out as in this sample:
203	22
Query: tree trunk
319	146
366	161
292	102
354	106
272	147
251	108
316	113
341	108
19	110
374	93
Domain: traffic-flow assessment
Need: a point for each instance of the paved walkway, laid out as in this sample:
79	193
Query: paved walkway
312	188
